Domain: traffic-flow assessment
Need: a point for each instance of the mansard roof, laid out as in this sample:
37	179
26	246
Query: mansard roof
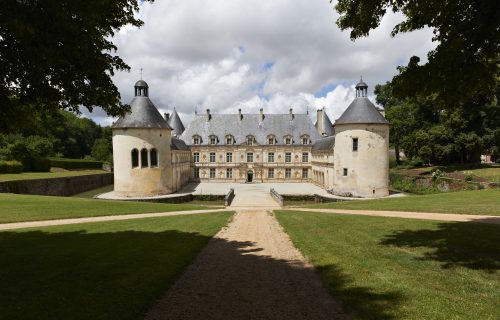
143	114
324	144
361	110
245	125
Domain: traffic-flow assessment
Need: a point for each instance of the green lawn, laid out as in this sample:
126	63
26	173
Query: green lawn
490	174
485	202
45	175
17	207
91	193
392	268
108	270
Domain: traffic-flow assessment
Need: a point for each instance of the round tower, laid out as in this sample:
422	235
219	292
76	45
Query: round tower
361	153
142	155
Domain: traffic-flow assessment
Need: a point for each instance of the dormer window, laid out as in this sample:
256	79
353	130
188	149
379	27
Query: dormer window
229	139
212	140
288	140
196	139
250	140
271	139
305	139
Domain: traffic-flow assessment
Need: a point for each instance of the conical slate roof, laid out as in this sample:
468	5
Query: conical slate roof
361	110
143	114
327	125
174	121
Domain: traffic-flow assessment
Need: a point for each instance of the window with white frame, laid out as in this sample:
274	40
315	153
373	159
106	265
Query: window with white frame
250	140
196	139
271	139
229	157
305	156
250	157
288	173
196	157
212	156
229	173
212	140
288	140
229	139
270	157
270	173
212	173
305	139
288	157
305	173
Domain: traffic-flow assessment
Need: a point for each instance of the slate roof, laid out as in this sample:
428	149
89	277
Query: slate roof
361	110
324	144
178	144
174	121
279	125
141	83
143	114
327	125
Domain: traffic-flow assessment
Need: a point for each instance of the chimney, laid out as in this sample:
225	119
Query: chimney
261	115
291	114
239	114
166	115
207	115
319	122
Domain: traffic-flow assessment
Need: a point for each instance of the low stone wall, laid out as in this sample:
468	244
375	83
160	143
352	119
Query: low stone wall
277	197
178	199
64	186
229	197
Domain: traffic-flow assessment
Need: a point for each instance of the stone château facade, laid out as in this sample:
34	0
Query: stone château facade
155	155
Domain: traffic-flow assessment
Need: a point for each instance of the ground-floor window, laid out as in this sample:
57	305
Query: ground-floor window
305	173
288	173
196	173
270	173
212	173
229	173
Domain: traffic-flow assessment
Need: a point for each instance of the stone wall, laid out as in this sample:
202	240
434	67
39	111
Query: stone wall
65	186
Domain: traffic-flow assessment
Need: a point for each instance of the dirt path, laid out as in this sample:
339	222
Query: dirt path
411	215
249	270
58	222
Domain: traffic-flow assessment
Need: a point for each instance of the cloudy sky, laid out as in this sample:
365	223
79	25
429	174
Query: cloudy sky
251	54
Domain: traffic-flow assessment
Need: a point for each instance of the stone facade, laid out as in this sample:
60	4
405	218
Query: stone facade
150	160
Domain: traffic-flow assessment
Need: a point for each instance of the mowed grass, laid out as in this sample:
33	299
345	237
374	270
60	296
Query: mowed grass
491	174
46	175
483	202
392	268
108	270
17	207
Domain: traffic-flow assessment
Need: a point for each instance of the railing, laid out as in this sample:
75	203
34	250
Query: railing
229	197
276	196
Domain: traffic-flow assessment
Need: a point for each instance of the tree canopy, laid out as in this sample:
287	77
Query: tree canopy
60	55
466	60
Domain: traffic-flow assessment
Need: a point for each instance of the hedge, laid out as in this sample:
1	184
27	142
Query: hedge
12	166
40	165
75	164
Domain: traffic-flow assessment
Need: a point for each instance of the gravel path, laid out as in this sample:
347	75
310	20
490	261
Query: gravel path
58	222
249	270
411	215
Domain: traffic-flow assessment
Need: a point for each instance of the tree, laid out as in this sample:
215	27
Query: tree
466	60
59	55
102	150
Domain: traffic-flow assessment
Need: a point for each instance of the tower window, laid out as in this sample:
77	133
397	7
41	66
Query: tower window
354	144
144	158
135	158
153	154
345	172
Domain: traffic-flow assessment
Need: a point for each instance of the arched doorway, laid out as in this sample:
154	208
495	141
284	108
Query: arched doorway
249	176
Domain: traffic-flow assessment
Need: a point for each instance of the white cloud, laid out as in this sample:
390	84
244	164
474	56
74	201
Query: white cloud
226	55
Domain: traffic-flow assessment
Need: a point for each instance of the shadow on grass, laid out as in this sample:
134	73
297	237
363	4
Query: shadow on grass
470	245
363	302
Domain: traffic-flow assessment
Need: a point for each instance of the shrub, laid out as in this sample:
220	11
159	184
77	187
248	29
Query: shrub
40	165
75	164
436	174
11	166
